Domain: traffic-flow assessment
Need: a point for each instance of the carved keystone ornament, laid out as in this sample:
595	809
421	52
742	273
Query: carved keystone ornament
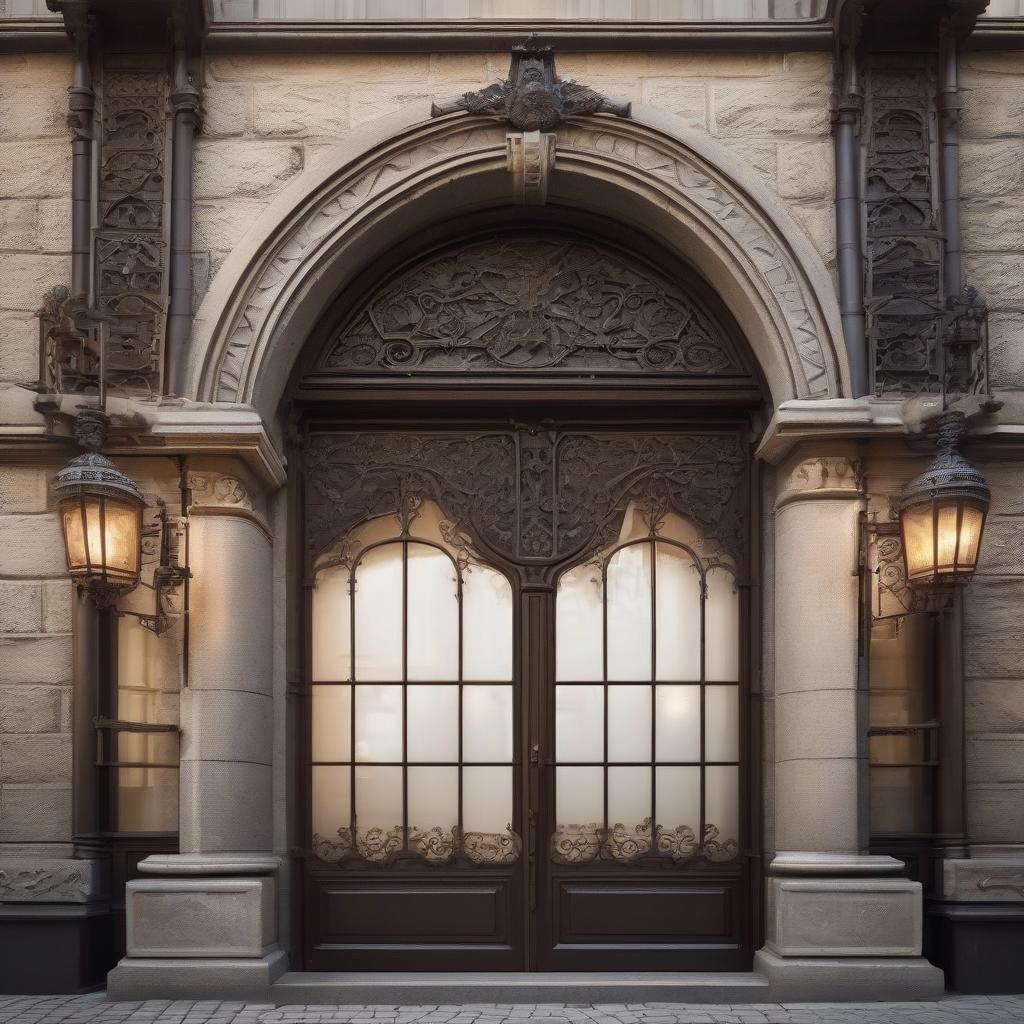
534	101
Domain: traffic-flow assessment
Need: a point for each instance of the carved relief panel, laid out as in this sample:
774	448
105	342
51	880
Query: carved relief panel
543	302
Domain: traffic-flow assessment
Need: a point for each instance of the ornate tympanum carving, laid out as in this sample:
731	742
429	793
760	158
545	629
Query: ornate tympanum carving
533	97
529	303
528	495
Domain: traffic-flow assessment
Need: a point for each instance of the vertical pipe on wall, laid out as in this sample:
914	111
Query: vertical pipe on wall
949	112
86	659
849	249
185	102
81	103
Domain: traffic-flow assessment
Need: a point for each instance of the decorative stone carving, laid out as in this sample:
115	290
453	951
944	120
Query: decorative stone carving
533	97
129	243
533	303
894	595
211	489
242	332
531	158
48	881
826	473
527	495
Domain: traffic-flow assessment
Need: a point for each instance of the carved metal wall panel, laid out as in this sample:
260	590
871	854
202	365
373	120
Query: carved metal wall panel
530	303
903	287
531	497
129	242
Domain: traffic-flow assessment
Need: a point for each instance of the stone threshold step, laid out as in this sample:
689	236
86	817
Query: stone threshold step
413	989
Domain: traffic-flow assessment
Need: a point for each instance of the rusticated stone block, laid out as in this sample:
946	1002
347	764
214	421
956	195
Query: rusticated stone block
34	109
1006	349
992	223
995	705
35	170
18	223
806	170
50	880
31	545
989	110
29	709
21	606
19	352
44	659
995	758
687	100
993	812
25	277
997	276
22	489
301	110
992	168
706	65
774	106
241	168
46	70
53	225
35	758
460	67
57	606
34	813
819	221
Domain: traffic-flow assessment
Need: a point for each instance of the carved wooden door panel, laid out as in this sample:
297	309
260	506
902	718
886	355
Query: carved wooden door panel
526	740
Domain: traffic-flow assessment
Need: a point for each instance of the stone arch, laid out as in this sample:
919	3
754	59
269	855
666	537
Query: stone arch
660	177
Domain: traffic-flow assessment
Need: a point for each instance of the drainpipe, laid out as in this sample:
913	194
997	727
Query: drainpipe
849	249
185	103
949	111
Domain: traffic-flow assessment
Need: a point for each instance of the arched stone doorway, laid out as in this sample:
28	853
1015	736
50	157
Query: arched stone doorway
526	483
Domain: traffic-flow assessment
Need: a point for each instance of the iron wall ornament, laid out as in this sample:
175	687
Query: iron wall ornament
533	97
528	303
532	497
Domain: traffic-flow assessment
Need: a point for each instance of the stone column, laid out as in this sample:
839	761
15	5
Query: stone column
205	923
839	925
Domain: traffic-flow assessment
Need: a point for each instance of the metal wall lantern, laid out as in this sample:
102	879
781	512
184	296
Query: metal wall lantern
942	513
100	512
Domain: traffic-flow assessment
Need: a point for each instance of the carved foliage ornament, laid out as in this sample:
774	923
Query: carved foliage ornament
529	496
533	97
532	303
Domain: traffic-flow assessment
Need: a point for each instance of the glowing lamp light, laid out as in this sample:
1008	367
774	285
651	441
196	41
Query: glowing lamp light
942	513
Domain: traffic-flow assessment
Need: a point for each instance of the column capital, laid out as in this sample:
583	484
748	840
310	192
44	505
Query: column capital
814	476
224	488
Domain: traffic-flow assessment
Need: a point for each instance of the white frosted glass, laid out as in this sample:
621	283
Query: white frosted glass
635	524
378	797
579	723
721	627
579	625
629	795
629	723
372	532
722	801
378	597
682	531
677	723
433	723
486	723
332	627
486	625
721	723
433	615
678	798
378	723
629	613
332	724
331	801
486	799
433	798
677	602
427	522
947	534
579	796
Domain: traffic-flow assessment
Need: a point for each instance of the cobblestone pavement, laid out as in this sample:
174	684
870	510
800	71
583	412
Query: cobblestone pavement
95	1009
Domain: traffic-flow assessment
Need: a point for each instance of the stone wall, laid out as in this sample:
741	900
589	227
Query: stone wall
268	117
35	205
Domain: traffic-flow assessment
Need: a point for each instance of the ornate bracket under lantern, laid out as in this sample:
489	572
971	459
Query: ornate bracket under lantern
942	512
533	101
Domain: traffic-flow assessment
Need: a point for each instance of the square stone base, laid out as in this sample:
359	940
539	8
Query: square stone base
857	979
136	978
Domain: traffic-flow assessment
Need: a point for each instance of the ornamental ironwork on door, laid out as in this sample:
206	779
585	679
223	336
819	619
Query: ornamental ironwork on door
526	693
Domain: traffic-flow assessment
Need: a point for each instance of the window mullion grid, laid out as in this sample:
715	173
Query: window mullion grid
405	694
604	663
703	738
459	822
654	676
352	814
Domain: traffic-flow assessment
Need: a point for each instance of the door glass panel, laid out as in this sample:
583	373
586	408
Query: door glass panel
721	812
629	796
579	723
678	615
579	624
332	724
378	798
332	807
332	632
487	799
378	723
486	723
433	723
629	613
677	723
433	614
487	625
629	723
579	796
721	723
722	617
378	608
433	798
678	811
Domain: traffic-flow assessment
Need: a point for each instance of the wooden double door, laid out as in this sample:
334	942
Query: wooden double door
526	745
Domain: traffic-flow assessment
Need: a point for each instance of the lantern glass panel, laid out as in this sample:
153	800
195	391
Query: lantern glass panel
919	541
970	536
947	534
101	537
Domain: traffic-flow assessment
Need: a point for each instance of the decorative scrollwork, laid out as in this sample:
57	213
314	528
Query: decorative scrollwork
380	845
626	845
678	844
576	844
333	851
435	845
492	848
528	303
716	848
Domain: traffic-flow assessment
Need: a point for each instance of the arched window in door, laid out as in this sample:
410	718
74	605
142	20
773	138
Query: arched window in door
647	710
413	701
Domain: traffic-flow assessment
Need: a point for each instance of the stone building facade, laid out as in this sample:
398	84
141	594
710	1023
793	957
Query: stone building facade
309	306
